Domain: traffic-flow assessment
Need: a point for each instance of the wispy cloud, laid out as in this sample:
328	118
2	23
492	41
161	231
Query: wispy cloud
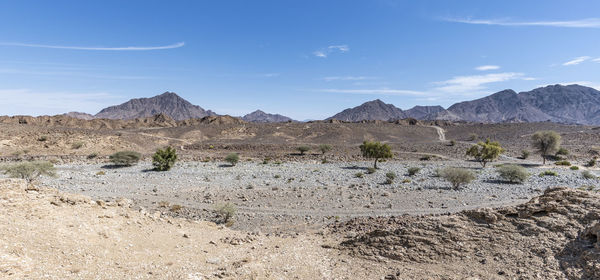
325	52
596	60
576	60
131	48
487	67
578	23
475	83
271	75
33	102
381	91
73	74
348	78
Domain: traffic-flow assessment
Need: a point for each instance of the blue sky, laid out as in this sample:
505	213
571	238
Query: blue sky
304	59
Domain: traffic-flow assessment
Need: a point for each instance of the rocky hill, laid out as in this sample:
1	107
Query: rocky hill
260	116
79	115
372	110
168	103
423	112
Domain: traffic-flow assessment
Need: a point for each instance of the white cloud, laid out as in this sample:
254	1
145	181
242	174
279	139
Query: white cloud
381	91
150	48
348	78
596	60
331	49
487	67
579	23
30	102
271	75
470	84
576	60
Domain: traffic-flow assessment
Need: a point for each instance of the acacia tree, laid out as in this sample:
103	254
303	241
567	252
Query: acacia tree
546	142
375	150
485	152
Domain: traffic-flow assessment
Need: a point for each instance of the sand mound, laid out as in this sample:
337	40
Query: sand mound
553	236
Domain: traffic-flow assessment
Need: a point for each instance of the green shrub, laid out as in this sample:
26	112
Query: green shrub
457	176
390	175
277	176
375	150
92	156
473	137
513	173
163	160
452	143
232	158
406	181
303	149
43	138
548	173
77	145
125	158
371	170
324	148
546	142
485	152
359	175
574	167
563	163
226	212
425	158
413	171
591	163
524	154
588	175
29	170
562	152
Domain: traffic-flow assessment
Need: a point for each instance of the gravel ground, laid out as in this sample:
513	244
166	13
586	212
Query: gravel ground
295	197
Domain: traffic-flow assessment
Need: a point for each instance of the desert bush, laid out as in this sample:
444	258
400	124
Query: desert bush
43	138
359	175
591	163
125	158
524	154
375	150
452	143
563	163
92	156
574	167
324	148
164	159
176	208
413	171
562	152
277	176
425	158
303	149
226	212
548	173
77	145
406	181
371	170
473	136
232	158
29	170
457	176
513	173
485	152
588	175
100	173
390	175
546	142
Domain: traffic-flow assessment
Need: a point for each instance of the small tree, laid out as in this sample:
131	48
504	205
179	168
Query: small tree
226	212
324	148
546	142
485	152
457	176
125	158
30	170
513	173
375	150
163	160
232	158
303	149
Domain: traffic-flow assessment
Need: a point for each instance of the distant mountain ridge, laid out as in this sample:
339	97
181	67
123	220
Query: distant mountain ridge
168	103
260	116
574	104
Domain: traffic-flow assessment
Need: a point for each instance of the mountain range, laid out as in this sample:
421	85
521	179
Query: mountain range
557	103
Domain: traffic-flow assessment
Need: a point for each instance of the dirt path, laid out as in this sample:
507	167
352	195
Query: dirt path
440	132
